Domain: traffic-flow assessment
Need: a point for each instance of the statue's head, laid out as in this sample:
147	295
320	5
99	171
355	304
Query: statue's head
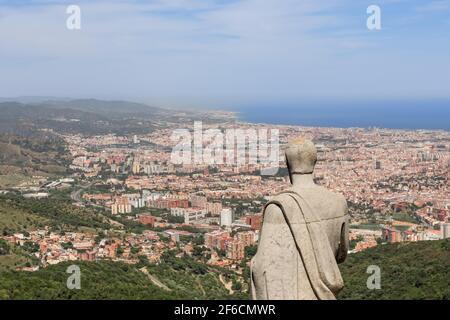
301	156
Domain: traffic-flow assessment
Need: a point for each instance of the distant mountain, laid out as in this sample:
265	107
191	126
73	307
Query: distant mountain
105	108
16	110
91	116
79	116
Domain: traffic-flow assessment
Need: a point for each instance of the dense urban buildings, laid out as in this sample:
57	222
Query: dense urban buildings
395	181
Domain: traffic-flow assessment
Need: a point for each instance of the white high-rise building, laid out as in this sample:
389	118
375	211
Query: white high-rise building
226	217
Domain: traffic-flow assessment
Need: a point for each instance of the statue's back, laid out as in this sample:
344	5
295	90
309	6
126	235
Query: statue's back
304	235
278	265
331	209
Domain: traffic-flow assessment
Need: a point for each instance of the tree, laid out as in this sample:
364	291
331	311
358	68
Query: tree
250	252
67	245
175	219
98	238
199	240
198	251
237	286
221	253
143	261
134	250
30	247
4	247
353	242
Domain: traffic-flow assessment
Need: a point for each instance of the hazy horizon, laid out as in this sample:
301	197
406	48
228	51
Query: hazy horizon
430	114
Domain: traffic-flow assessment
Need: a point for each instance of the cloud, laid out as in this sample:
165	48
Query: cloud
214	49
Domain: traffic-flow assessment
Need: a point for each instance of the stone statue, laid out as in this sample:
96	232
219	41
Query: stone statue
303	237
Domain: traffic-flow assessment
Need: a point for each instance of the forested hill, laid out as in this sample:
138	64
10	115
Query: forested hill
409	271
172	279
92	117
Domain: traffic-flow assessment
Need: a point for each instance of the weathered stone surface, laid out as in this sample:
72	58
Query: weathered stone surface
303	238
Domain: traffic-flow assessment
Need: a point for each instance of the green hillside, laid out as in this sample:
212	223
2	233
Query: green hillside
113	280
18	214
24	157
409	271
17	220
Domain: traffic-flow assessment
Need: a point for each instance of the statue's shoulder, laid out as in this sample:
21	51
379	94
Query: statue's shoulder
340	201
282	199
273	212
334	197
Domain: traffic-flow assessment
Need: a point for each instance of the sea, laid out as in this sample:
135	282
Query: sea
431	114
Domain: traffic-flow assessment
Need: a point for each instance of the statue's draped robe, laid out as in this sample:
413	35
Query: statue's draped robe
312	243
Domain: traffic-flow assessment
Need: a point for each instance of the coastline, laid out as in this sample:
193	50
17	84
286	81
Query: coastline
415	118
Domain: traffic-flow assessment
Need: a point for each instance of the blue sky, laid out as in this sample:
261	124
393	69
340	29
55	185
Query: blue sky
224	53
